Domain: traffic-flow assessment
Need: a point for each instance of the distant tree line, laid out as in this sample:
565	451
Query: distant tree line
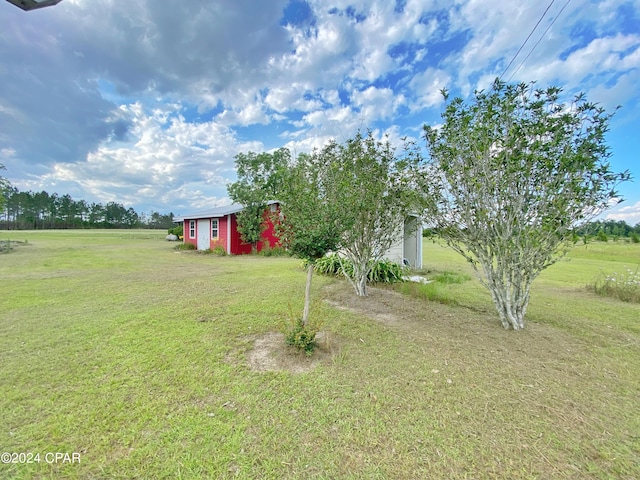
609	229
599	230
41	210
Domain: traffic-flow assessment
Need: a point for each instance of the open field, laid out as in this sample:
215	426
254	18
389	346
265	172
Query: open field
135	356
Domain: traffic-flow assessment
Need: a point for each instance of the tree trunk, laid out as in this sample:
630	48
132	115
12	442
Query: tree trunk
359	280
307	295
510	298
360	283
361	272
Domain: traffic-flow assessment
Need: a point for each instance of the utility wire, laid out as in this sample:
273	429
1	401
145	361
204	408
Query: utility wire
540	39
527	39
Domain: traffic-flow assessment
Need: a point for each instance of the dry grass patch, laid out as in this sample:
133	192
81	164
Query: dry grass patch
270	353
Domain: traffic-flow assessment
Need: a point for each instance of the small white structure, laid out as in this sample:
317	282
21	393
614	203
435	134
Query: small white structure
407	250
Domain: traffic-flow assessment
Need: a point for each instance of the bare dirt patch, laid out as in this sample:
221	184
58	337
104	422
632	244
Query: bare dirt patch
454	331
386	306
271	353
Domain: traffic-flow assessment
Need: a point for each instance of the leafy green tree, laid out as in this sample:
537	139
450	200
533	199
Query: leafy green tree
260	177
83	211
97	214
374	194
510	175
307	225
66	210
4	189
11	207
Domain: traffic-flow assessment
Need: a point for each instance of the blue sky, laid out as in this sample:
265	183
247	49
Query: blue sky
146	102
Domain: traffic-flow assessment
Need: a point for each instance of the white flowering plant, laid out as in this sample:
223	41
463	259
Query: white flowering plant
624	285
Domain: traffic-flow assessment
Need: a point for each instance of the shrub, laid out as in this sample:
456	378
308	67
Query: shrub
624	286
382	271
185	246
218	250
602	236
329	265
635	238
386	271
176	231
300	336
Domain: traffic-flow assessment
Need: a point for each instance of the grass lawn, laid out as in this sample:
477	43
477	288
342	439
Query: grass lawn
117	348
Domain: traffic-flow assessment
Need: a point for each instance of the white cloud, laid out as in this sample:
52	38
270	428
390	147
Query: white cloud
376	103
164	155
629	213
292	97
619	53
251	114
427	88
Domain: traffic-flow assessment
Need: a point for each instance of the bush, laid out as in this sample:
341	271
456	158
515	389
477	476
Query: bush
382	271
300	336
602	236
218	250
635	238
329	265
386	271
185	246
625	286
176	231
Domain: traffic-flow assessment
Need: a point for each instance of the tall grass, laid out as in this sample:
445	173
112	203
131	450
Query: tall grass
624	286
437	290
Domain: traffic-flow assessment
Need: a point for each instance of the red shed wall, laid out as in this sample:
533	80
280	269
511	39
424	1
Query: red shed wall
185	231
222	234
237	247
269	238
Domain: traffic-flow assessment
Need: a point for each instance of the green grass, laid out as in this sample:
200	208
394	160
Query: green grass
118	347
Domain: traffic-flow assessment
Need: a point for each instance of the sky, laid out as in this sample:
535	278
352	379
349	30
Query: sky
146	102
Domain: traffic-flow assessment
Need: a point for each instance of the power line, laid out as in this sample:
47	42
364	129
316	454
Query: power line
527	39
540	39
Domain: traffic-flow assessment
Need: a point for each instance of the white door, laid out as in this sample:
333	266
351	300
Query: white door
204	234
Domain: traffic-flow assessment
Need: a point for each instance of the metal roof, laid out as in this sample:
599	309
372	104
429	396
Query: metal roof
214	212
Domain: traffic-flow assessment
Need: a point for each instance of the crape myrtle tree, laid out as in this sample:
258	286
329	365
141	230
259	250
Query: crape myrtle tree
259	180
307	223
509	176
375	192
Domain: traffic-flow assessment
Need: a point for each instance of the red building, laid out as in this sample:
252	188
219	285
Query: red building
218	227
